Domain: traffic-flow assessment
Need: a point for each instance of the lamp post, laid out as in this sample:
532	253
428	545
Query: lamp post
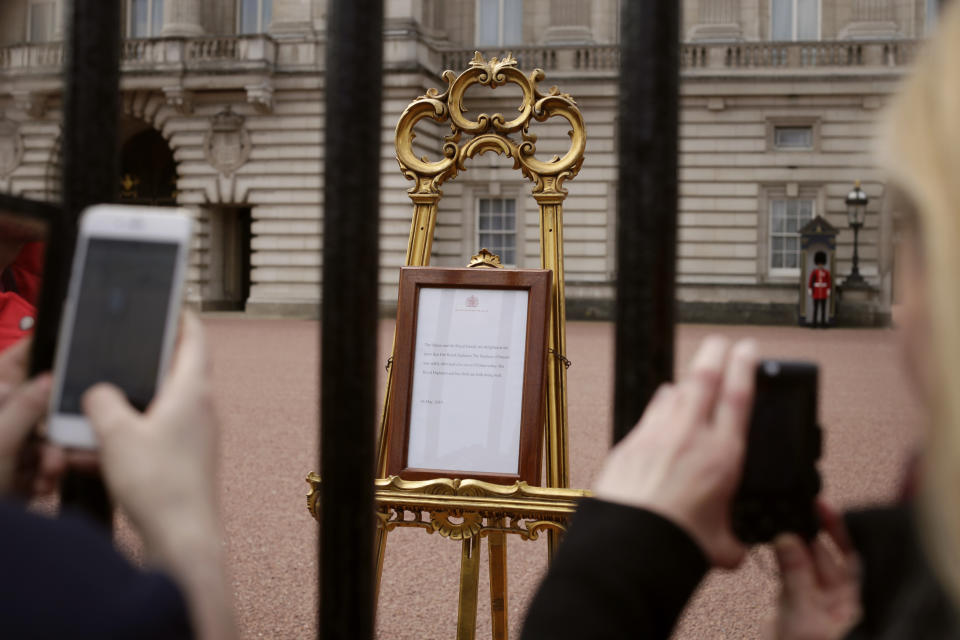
856	214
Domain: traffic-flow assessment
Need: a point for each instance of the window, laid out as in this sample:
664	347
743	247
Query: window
793	137
932	13
144	18
787	217
254	16
499	22
40	19
497	227
795	19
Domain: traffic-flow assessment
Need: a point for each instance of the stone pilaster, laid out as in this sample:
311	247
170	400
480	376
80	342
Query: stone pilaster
872	19
181	18
569	22
873	11
291	17
718	20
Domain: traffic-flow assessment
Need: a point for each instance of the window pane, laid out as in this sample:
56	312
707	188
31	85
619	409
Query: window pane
777	243
778	224
156	24
808	19
510	205
790	261
248	16
41	21
933	10
777	215
509	221
485	222
497	204
806	210
793	137
781	20
267	16
484	205
139	18
776	260
488	23
792	243
512	22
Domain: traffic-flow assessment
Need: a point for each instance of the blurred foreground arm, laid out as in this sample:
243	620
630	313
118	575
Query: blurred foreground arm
161	468
661	513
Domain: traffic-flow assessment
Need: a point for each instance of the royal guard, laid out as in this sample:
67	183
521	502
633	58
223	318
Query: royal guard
819	287
21	263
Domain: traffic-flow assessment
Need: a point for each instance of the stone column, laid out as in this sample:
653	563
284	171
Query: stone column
872	19
720	12
718	20
291	16
873	10
181	18
569	22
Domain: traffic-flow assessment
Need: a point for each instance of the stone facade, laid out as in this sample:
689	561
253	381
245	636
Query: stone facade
763	121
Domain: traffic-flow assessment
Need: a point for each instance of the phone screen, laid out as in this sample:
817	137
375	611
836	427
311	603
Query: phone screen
119	321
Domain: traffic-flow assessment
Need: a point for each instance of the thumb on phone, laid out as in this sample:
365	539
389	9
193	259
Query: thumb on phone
797	570
108	410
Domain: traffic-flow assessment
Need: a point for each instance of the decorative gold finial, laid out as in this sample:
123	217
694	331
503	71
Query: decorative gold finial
486	260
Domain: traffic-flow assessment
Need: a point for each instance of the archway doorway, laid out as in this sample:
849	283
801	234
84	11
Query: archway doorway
148	170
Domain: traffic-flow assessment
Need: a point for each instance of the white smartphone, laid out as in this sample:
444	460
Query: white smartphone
121	313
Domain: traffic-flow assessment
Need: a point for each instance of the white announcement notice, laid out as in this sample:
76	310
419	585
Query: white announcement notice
468	380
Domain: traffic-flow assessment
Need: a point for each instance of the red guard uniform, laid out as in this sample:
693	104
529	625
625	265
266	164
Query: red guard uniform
819	283
19	288
819	286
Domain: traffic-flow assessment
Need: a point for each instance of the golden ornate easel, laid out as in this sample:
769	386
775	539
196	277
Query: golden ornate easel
469	510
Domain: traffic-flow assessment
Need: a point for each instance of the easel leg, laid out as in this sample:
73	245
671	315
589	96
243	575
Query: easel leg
553	543
497	548
469	587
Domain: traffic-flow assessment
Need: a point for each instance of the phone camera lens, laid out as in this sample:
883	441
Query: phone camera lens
771	367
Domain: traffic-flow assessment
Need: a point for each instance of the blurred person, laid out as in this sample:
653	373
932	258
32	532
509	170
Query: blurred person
62	578
660	516
21	265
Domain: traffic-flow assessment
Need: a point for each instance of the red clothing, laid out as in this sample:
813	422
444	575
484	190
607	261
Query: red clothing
19	290
819	283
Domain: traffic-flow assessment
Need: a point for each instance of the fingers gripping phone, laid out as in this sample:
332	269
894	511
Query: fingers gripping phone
120	316
780	481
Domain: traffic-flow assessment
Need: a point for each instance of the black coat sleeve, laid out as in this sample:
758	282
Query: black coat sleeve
621	572
62	578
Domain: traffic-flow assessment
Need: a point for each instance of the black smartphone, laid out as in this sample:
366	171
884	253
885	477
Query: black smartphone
780	481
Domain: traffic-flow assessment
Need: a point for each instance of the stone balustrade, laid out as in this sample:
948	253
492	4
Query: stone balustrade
154	53
797	55
29	57
718	56
260	51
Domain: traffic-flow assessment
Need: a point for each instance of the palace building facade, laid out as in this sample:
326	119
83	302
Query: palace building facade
222	113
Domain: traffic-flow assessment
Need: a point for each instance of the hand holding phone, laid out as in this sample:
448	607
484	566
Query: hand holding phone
682	461
120	316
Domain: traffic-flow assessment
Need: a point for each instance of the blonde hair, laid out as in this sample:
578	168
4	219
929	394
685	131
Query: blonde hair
922	157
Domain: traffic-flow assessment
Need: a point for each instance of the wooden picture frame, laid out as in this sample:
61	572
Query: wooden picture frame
456	366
